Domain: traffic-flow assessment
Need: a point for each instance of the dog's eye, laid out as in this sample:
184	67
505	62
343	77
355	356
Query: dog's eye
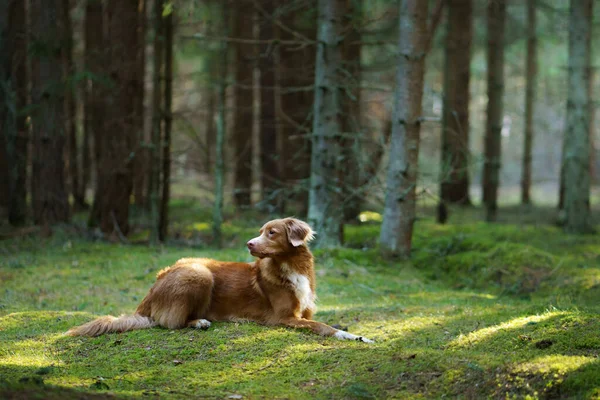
271	232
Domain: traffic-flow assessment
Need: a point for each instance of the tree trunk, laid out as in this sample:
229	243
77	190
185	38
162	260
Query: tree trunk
6	126
352	186
119	136
220	137
296	70
243	103
70	108
210	133
577	139
454	186
400	199
272	198
495	76
157	117
325	212
49	196
168	117
141	165
13	128
531	68
95	94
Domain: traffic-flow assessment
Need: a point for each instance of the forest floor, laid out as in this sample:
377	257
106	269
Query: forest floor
503	310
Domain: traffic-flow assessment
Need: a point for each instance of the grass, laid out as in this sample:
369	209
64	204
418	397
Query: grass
505	310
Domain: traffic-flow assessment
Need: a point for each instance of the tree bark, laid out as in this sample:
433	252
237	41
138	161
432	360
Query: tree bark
168	117
577	140
243	103
49	195
141	164
454	186
352	184
154	192
496	14
400	199
95	95
530	90
325	211
119	136
296	70
270	166
220	137
13	128
70	109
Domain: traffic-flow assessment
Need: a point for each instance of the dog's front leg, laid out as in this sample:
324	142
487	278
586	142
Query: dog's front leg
323	329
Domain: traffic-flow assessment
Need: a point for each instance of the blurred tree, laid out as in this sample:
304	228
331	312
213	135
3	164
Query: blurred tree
95	95
49	195
269	142
14	135
530	90
496	15
400	197
157	117
297	29
119	137
168	117
243	118
352	127
73	160
454	185
577	139
325	212
220	133
141	165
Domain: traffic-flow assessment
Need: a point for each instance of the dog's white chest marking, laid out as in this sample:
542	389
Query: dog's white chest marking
301	286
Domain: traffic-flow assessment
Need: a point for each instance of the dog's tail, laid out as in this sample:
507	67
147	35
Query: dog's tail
109	323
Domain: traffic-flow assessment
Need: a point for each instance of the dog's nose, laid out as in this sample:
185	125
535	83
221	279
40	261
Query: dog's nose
250	244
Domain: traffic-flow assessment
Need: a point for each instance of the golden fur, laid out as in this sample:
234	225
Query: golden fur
277	289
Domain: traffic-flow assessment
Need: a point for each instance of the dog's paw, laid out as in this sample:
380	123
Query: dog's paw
202	324
342	335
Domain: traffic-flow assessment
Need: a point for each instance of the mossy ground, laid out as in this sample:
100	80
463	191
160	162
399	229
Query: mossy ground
505	310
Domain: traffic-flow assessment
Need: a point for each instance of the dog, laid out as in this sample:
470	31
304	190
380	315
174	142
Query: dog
277	289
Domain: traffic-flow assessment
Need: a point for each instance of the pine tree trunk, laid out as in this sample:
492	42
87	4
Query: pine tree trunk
530	90
270	166
495	76
70	110
296	69
13	127
6	127
454	186
210	132
157	117
243	103
119	136
95	94
353	177
168	117
220	137
577	139
141	164
49	195
400	201
325	211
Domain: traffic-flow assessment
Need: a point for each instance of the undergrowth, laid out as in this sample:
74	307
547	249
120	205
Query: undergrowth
506	310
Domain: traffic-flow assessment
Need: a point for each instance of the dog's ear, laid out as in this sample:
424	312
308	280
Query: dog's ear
299	232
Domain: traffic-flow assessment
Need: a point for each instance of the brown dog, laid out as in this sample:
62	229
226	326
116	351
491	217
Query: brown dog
277	289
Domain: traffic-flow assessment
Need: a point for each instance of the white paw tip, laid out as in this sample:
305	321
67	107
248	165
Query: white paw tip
203	324
349	336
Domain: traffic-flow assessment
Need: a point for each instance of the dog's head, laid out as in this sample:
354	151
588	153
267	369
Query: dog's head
279	237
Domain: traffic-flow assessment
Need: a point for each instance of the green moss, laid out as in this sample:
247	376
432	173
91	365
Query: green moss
481	311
